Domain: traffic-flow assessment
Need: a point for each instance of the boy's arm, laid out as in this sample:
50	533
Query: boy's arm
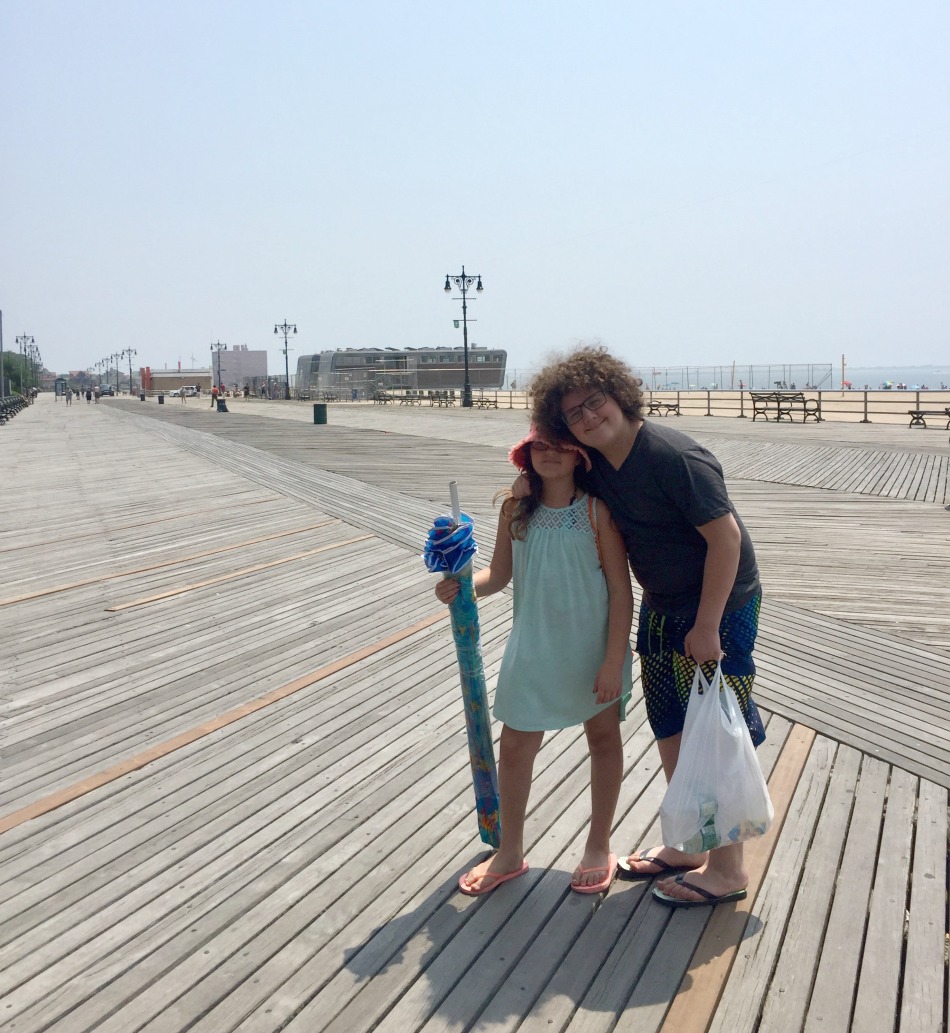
723	541
609	683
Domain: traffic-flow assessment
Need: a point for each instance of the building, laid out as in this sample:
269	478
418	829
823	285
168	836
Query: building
161	381
240	367
365	370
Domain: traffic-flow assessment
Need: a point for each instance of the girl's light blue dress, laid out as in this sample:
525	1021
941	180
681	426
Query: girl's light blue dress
559	636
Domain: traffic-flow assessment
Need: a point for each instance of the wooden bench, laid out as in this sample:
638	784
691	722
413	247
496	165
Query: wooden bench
441	398
484	402
381	398
330	396
410	399
657	408
784	403
917	416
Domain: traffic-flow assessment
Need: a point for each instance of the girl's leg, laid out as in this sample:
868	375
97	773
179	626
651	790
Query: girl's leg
606	771
515	766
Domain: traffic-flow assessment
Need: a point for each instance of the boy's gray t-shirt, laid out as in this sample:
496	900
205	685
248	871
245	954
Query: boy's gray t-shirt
667	487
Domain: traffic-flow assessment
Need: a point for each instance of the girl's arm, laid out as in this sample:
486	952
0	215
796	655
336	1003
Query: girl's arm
609	683
489	580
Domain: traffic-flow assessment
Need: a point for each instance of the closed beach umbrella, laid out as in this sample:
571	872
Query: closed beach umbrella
449	550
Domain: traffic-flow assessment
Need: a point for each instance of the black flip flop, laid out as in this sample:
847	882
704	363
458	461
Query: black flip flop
666	869
711	900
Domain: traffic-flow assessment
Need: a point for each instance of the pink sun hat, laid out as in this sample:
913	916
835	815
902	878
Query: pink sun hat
520	452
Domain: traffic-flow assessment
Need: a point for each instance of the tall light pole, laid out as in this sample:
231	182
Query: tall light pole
218	347
118	359
3	392
285	328
464	283
130	352
23	341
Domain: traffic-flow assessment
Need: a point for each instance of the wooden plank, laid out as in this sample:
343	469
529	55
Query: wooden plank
789	914
924	986
838	963
877	1002
693	1006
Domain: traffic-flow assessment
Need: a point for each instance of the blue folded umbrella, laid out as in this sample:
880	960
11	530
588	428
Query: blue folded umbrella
449	549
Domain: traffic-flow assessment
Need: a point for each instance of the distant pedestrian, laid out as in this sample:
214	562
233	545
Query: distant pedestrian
68	395
88	396
263	391
247	392
214	396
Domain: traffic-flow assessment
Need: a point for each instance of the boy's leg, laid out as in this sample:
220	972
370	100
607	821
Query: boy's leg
606	771
515	767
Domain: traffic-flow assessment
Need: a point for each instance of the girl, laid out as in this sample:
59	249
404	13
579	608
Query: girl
568	659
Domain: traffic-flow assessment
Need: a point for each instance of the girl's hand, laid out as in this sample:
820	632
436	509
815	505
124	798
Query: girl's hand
447	589
609	681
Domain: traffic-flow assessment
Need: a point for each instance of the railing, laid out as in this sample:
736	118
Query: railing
834	406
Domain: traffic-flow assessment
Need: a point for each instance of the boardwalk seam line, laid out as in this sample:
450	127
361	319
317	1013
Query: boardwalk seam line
157	752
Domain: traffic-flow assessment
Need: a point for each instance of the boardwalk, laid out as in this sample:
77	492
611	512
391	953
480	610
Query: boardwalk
234	791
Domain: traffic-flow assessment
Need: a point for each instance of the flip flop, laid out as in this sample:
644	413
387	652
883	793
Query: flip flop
598	887
711	900
666	869
496	881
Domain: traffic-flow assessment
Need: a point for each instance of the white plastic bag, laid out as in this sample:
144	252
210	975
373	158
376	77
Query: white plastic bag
717	794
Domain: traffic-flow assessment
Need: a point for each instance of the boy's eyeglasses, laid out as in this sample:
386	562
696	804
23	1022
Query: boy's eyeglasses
543	446
594	402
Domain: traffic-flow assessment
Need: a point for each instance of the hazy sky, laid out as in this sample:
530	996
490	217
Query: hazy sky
687	182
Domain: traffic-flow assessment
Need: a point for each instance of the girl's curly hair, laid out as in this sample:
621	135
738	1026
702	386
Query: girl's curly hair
587	367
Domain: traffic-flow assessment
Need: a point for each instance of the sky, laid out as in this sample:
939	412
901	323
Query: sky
684	182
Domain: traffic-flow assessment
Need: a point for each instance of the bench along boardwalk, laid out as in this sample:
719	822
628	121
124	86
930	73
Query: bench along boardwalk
784	404
235	793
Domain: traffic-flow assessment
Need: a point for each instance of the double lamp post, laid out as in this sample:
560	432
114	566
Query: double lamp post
464	284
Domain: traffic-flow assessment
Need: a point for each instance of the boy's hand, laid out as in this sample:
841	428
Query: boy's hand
520	489
702	644
447	589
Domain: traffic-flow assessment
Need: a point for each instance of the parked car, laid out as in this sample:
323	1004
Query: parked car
176	393
107	389
189	391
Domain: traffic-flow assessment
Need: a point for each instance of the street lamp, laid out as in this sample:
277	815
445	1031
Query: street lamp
118	359
218	347
130	352
464	283
285	329
23	341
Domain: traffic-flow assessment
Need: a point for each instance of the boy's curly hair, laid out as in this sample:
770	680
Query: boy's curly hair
587	367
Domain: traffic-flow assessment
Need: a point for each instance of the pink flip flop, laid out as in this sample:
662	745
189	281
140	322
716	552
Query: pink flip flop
496	881
610	871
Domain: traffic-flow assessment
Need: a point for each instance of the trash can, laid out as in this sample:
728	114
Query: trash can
222	405
354	394
319	412
161	399
141	396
